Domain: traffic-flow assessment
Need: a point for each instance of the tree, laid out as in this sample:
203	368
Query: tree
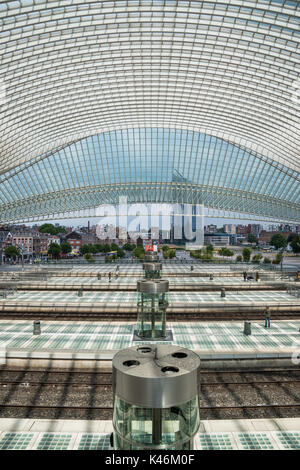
93	249
279	241
12	251
120	253
98	247
106	248
129	246
66	247
195	253
252	238
291	237
225	252
222	251
51	229
47	228
295	244
114	247
267	260
278	258
239	258
207	254
84	249
139	252
256	258
246	254
89	257
54	250
210	249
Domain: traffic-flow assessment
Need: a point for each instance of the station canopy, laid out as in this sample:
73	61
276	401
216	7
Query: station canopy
161	101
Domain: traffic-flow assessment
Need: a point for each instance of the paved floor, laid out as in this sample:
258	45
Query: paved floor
130	298
261	434
283	336
93	281
166	268
125	268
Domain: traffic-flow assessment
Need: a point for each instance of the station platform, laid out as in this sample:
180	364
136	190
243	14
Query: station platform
240	434
91	270
62	342
130	283
275	298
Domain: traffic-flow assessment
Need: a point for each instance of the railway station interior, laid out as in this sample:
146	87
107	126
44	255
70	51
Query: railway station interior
182	102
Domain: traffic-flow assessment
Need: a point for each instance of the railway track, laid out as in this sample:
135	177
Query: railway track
75	395
92	384
107	375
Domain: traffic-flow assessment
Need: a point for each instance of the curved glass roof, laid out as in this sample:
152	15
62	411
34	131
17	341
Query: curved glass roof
169	100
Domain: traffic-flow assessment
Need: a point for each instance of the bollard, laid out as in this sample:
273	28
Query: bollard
223	292
247	328
151	307
156	398
36	327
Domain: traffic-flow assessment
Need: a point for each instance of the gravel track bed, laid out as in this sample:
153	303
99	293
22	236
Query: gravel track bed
89	395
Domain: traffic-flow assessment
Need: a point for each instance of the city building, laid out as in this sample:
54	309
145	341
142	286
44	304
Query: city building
230	228
265	236
255	229
210	228
6	239
217	239
40	244
78	239
75	240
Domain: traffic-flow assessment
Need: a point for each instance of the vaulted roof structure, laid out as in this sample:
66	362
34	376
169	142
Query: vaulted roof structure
161	101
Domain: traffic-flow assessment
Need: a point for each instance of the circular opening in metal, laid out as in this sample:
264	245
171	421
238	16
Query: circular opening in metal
131	363
169	369
144	349
179	354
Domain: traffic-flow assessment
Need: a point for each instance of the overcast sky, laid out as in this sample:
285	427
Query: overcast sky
80	222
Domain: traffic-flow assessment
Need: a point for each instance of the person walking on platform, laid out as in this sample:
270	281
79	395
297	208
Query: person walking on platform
109	277
245	276
267	318
257	276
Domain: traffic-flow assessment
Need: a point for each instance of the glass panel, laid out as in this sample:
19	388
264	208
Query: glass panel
151	322
139	428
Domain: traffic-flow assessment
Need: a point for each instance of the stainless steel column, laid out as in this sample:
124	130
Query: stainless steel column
158	386
152	306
